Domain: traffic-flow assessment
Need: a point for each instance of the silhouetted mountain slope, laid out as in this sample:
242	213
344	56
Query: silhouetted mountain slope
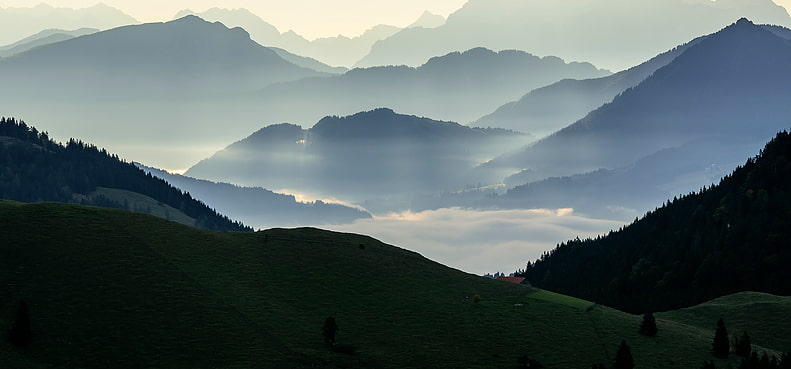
35	168
306	62
457	86
779	31
593	31
106	286
626	192
375	154
185	56
337	51
731	85
260	207
428	20
550	108
728	238
45	37
16	23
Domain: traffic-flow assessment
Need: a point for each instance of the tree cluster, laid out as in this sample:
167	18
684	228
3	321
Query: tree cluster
35	168
743	347
722	240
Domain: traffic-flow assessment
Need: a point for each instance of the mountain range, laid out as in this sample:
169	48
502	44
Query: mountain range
18	23
260	207
178	79
375	155
185	56
459	86
694	117
550	108
593	31
45	37
182	78
340	51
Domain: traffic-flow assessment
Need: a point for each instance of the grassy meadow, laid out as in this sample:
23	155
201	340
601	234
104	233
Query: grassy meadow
116	289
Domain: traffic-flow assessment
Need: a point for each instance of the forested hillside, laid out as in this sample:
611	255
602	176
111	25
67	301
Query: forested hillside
728	238
36	168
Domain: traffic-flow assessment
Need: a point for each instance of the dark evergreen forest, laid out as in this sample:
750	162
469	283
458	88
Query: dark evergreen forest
35	168
729	238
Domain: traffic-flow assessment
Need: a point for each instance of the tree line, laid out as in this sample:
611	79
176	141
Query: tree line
728	238
34	168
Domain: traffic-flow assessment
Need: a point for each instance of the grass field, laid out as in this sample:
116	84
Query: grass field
115	289
146	204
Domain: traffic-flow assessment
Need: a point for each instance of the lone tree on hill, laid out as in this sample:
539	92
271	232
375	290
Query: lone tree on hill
742	346
623	358
648	326
528	363
721	344
328	330
21	334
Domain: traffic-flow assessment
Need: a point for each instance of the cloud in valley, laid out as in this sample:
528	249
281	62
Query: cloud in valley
481	241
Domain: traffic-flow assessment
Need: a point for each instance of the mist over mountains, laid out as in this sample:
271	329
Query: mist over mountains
181	78
178	79
178	58
45	37
459	86
551	108
611	145
575	30
260	207
371	156
336	51
17	23
690	123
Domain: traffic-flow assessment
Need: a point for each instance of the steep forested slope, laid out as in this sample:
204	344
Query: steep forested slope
35	168
728	238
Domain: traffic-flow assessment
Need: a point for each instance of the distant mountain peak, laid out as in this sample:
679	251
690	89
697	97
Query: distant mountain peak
744	22
428	20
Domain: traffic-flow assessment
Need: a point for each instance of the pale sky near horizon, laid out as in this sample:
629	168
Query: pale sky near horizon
309	18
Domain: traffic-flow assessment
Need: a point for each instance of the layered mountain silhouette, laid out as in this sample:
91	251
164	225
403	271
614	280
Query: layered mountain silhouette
547	109
727	238
17	23
188	55
370	155
459	86
46	37
593	31
260	207
336	51
36	168
159	85
717	101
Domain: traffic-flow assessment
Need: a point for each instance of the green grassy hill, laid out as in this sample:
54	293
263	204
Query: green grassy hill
763	316
116	289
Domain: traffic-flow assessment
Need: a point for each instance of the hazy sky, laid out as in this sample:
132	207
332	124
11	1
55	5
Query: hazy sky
310	18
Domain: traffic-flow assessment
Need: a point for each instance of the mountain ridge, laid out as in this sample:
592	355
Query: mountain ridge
590	31
681	102
36	168
720	240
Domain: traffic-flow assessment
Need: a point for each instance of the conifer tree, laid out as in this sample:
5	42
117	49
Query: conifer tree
623	358
721	345
742	346
648	326
329	329
21	333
